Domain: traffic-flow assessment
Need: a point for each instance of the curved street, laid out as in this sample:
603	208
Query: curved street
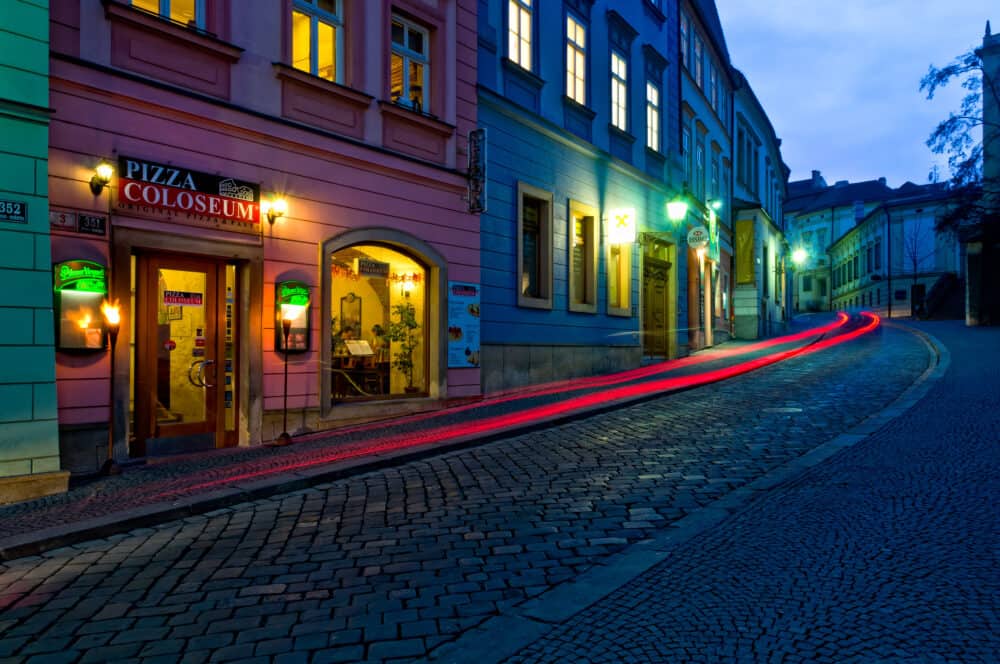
886	551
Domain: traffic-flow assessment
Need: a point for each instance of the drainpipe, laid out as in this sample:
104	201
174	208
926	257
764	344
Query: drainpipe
888	261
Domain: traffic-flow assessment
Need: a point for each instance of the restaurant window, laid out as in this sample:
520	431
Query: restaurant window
534	247
187	12
378	324
576	61
582	258
317	38
519	32
619	279
409	75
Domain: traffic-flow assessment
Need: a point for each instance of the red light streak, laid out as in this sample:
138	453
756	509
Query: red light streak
547	413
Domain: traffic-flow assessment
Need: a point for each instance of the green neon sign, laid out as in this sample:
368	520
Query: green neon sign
81	276
294	293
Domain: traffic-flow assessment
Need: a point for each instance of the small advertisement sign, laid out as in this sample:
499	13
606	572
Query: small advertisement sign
698	237
463	325
92	224
182	297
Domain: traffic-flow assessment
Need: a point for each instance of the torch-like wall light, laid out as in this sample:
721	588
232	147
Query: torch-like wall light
274	209
113	321
101	178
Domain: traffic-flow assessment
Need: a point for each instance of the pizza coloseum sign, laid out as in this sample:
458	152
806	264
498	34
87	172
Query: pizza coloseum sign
187	196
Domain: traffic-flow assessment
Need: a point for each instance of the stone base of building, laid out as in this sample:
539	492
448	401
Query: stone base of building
83	447
26	487
509	367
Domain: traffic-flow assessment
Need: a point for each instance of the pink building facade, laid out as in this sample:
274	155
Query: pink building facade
288	193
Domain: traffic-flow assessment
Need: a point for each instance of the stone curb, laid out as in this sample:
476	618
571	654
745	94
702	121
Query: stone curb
500	637
57	537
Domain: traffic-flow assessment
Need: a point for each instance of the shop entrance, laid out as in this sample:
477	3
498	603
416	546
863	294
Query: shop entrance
656	307
186	343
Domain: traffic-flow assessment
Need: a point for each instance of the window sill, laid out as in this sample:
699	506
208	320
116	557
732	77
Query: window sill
620	134
533	302
583	308
120	13
322	103
416	134
619	313
342	92
425	120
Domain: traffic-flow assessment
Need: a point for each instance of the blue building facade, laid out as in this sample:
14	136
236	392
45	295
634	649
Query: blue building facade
580	263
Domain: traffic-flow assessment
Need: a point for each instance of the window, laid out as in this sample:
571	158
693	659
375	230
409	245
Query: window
855	272
189	12
698	57
317	38
652	116
868	260
822	287
534	247
686	151
685	40
582	258
713	87
878	254
807	283
619	91
619	279
576	61
519	32
699	172
410	62
715	177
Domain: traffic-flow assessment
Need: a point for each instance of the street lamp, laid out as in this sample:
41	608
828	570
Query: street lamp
112	316
677	210
289	312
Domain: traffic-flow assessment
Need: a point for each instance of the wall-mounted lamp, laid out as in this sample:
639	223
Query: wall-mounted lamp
101	178
274	209
677	210
715	204
799	256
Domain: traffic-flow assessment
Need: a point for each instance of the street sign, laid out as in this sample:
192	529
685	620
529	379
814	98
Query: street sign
477	170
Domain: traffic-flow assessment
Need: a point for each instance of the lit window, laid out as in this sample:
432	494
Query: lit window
534	257
582	258
652	116
619	279
188	12
685	40
698	56
410	62
316	38
576	61
519	32
619	91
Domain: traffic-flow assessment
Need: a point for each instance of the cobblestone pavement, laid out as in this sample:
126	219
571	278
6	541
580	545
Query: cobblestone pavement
393	563
888	552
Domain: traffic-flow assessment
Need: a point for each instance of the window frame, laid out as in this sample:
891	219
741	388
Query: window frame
524	7
685	40
409	55
698	58
623	307
589	214
619	90
574	48
544	298
317	15
654	117
200	13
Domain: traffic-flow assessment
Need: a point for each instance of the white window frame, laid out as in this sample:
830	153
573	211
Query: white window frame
587	302
520	22
653	103
544	252
619	90
199	11
576	60
317	16
409	55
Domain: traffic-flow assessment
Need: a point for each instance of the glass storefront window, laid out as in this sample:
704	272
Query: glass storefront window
378	324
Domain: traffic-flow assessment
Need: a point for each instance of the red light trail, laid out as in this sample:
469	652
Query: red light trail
548	413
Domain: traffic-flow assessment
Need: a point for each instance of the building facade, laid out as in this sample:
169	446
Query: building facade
285	226
760	302
707	154
29	446
582	272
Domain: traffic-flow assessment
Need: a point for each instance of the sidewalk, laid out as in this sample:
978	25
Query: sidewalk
147	494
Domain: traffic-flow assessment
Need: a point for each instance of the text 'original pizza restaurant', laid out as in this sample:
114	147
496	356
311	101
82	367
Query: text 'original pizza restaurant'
225	315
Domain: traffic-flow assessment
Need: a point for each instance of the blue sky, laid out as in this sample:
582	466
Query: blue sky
841	80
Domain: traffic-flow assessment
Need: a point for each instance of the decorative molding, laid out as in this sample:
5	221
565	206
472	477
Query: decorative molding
620	32
655	62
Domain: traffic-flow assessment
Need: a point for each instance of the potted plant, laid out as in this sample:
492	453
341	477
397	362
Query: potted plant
402	330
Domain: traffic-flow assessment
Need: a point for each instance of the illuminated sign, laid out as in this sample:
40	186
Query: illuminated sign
698	237
621	226
182	297
291	303
366	267
187	196
81	276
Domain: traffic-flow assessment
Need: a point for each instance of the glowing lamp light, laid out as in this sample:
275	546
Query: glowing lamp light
290	312
112	313
274	209
102	176
799	256
622	226
715	204
677	210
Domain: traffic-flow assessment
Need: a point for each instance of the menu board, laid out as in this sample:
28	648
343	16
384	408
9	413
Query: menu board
463	325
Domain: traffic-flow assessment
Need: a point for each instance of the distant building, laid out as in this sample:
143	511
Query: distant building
760	306
871	246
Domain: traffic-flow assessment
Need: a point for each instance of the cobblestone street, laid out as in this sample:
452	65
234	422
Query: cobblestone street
397	562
